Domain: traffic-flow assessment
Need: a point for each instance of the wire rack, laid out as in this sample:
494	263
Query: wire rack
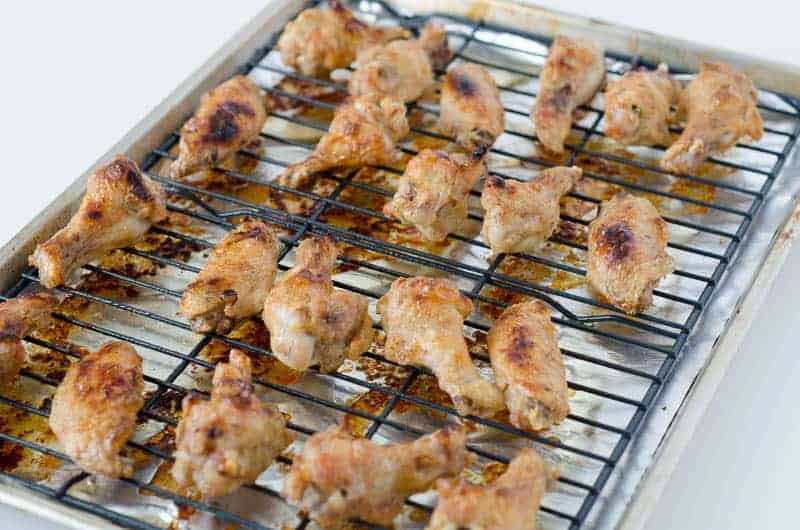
616	363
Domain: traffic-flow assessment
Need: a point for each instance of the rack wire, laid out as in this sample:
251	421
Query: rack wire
659	335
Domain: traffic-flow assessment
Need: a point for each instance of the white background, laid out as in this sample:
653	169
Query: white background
79	74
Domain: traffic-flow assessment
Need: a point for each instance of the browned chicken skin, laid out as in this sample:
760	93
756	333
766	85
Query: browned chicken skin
94	408
528	366
627	252
119	206
228	118
433	192
520	216
572	74
310	322
321	39
364	132
235	280
720	107
231	439
18	316
337	477
423	319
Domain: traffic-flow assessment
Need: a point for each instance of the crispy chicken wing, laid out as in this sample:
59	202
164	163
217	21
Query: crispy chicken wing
94	408
520	216
337	477
528	366
720	107
433	192
231	439
627	252
310	322
364	132
119	206
18	316
471	110
235	281
321	40
423	319
571	76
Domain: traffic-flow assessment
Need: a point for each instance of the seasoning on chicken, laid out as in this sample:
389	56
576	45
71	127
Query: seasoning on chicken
94	408
527	364
228	118
337	477
364	132
235	281
471	110
321	39
433	192
572	74
627	252
720	108
229	440
640	105
423	320
119	206
309	321
520	216
18	316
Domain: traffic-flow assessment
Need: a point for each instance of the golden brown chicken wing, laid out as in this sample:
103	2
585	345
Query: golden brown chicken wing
119	206
231	439
423	320
627	252
94	408
18	316
337	477
310	322
572	74
235	281
720	107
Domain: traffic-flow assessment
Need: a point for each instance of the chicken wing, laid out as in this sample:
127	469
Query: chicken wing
235	281
321	40
520	216
639	107
18	316
720	107
433	192
228	118
231	439
310	322
627	252
364	132
119	206
572	74
528	366
94	408
337	477
470	109
423	320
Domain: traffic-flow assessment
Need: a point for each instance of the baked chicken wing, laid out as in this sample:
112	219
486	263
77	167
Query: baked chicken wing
94	408
119	206
18	316
337	477
423	319
627	252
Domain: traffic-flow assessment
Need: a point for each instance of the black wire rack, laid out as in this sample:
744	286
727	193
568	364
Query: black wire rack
658	336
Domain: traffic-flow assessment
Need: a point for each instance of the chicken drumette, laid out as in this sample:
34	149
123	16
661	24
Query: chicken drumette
572	74
720	108
627	252
94	408
231	439
433	192
18	316
309	321
235	281
119	206
423	320
520	216
337	477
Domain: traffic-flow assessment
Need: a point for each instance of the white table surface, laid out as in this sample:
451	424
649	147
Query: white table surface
79	74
